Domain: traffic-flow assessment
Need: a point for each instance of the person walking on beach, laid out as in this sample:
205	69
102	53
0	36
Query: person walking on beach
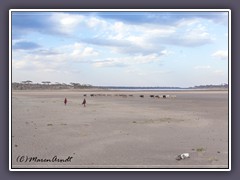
65	101
84	102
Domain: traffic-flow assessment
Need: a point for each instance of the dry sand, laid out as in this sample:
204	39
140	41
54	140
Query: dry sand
119	132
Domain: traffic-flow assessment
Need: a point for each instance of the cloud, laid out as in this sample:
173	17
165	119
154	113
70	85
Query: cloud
183	29
30	20
38	64
19	64
25	45
137	71
127	61
129	46
221	54
193	35
164	18
80	51
127	17
53	59
109	63
25	22
187	40
65	23
219	72
202	67
130	39
117	33
69	42
148	39
105	42
66	55
46	52
216	17
54	23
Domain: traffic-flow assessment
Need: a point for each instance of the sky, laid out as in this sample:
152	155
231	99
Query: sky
152	48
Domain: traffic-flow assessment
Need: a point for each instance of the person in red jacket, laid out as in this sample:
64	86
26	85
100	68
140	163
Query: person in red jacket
84	102
65	101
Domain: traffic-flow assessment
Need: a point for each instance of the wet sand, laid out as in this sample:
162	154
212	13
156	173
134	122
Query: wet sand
119	129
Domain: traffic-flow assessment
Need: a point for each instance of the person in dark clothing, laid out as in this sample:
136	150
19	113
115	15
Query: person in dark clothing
84	102
65	101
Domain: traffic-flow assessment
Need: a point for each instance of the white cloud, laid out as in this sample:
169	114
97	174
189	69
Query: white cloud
65	23
80	51
52	59
19	64
167	52
196	36
187	22
138	39
221	54
94	22
202	67
127	61
96	41
219	72
132	71
191	35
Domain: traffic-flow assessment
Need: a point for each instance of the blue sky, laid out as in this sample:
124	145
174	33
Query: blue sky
181	49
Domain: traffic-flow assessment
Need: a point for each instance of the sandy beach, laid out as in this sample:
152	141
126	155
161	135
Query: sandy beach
119	129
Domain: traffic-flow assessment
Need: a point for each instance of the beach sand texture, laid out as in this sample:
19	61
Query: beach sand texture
116	130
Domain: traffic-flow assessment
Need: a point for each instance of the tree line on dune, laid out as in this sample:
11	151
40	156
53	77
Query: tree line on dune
29	85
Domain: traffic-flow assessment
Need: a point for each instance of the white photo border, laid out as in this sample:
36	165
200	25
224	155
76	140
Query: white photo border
119	169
